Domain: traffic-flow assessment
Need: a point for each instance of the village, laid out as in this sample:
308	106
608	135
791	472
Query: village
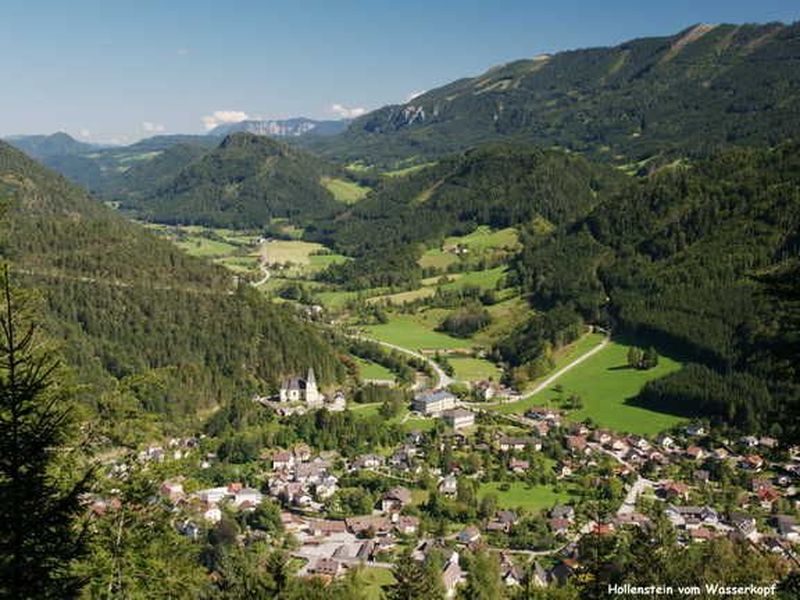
470	480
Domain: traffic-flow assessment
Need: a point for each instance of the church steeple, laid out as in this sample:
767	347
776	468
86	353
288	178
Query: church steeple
311	380
313	397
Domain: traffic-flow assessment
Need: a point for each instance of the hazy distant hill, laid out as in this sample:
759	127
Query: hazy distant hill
44	146
283	128
128	306
244	182
103	169
705	86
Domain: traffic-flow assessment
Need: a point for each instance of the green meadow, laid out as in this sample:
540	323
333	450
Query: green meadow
474	369
532	498
406	331
348	192
606	384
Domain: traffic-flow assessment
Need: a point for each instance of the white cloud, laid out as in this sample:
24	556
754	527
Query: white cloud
220	117
85	133
183	52
413	95
343	112
150	127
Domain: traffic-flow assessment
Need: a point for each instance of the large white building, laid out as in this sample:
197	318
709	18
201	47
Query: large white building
434	402
458	418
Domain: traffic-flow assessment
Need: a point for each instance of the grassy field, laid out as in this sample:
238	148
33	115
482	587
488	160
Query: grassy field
485	238
289	251
408	170
419	424
371	370
200	246
474	369
403	297
522	495
406	331
318	262
485	279
375	580
606	384
436	258
345	191
240	264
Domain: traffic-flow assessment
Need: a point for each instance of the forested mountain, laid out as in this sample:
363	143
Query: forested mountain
245	182
126	306
499	185
703	257
703	87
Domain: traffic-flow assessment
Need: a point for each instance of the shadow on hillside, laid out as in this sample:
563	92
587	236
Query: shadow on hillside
672	406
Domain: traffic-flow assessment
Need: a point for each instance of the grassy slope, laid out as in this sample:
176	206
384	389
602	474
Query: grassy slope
371	370
344	191
408	332
605	384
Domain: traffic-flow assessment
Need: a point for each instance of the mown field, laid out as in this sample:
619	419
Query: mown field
348	192
408	332
606	386
371	370
531	498
474	369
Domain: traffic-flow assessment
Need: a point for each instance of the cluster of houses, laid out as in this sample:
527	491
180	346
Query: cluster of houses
301	481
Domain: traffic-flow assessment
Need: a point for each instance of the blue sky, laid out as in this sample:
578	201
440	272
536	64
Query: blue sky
116	71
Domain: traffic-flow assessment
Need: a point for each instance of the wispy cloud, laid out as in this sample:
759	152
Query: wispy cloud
413	95
183	52
150	127
219	117
344	112
85	133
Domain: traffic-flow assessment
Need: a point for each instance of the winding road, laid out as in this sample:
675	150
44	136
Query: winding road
442	378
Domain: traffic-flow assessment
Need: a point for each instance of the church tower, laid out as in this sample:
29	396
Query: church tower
313	397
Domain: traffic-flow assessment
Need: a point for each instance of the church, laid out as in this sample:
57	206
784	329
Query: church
297	389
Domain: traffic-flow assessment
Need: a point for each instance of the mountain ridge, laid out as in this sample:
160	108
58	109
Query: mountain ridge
702	87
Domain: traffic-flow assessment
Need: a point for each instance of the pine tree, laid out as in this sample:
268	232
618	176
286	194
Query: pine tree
483	579
650	358
40	536
634	357
411	582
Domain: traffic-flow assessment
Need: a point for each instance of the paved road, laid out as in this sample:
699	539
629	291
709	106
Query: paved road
549	381
264	279
629	504
443	379
544	384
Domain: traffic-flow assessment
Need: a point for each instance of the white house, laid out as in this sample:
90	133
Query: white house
434	403
458	418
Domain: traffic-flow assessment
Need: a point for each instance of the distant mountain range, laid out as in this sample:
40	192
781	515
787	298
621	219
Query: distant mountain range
283	128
